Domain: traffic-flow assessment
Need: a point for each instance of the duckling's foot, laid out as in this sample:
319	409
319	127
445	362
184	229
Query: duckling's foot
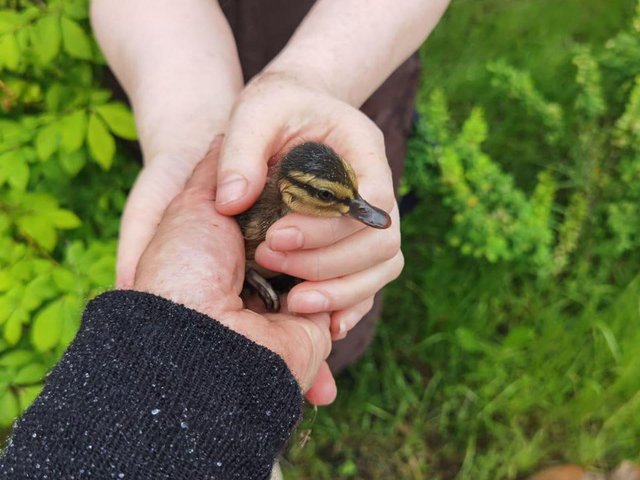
284	283
265	290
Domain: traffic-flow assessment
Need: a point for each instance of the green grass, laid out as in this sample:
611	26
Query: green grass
480	371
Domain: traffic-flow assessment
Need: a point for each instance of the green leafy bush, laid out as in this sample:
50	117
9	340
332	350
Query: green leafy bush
595	189
61	187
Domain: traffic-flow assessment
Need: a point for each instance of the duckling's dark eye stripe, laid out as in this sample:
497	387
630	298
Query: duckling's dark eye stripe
311	190
306	181
306	187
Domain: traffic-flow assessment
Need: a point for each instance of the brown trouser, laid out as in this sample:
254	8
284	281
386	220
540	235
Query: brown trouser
261	29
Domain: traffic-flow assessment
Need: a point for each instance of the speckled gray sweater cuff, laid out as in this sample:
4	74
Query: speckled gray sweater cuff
153	390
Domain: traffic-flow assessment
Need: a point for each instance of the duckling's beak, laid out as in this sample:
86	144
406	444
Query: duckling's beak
366	213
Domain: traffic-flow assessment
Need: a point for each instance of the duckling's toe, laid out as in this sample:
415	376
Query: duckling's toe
264	289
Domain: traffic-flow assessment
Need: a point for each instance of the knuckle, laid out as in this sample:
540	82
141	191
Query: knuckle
394	267
325	342
381	195
307	268
384	195
398	264
390	244
318	270
367	305
377	135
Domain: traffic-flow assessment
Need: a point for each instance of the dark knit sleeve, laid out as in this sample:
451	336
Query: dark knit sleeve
152	390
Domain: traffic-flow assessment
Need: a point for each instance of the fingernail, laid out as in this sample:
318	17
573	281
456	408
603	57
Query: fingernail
308	302
288	238
232	188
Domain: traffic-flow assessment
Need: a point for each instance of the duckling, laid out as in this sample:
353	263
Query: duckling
311	179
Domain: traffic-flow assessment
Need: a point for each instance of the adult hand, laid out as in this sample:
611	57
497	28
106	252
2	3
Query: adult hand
162	178
344	262
196	258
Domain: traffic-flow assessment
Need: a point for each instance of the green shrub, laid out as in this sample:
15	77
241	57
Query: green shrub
531	289
62	187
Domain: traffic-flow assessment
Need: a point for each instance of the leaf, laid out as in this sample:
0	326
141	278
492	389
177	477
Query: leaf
36	291
20	315
46	37
13	327
119	119
64	279
10	301
76	8
101	272
7	305
39	289
6	280
74	254
74	130
468	341
16	358
9	21
99	97
101	143
47	141
53	97
71	312
30	12
27	395
34	372
72	163
21	270
13	133
75	40
9	51
18	174
39	229
610	340
43	267
47	326
39	202
5	223
5	162
8	408
65	219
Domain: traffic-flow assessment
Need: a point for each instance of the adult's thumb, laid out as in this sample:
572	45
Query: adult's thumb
243	165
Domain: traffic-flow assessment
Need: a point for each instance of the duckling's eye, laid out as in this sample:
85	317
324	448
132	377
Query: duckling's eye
326	195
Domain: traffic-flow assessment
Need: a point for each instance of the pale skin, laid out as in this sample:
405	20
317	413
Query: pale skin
178	63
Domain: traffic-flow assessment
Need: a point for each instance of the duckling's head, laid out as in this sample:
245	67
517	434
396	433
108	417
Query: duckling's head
314	180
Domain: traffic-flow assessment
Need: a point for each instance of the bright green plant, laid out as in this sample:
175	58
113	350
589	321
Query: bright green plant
491	217
58	205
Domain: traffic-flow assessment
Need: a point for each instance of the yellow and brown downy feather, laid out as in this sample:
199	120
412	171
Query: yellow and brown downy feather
311	179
